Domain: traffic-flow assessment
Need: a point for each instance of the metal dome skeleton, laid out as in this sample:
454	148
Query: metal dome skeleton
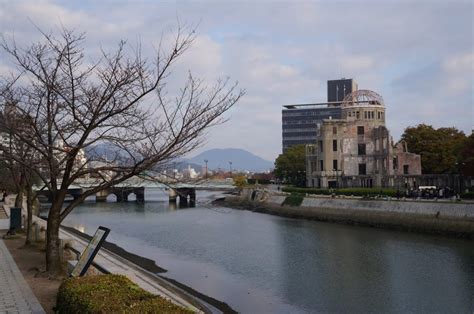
362	98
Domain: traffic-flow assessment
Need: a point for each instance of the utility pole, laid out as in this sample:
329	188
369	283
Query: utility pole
206	161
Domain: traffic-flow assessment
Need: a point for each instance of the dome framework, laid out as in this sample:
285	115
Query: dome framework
362	98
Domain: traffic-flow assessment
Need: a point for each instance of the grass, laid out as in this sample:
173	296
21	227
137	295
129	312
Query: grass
110	294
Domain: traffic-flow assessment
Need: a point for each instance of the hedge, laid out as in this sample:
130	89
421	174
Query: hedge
293	200
259	181
346	191
110	294
468	195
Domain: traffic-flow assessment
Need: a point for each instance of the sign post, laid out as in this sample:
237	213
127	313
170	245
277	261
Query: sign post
90	252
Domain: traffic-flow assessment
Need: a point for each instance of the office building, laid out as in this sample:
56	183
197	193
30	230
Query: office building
300	122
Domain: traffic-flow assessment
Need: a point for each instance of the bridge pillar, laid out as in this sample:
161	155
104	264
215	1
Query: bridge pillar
192	197
101	196
172	195
184	194
183	197
140	194
121	196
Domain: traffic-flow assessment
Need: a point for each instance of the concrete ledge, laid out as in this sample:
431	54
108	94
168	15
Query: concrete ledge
411	216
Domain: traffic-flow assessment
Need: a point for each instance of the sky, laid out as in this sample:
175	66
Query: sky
419	55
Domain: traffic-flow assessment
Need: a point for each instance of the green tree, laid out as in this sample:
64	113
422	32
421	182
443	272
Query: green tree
440	149
290	166
240	181
466	162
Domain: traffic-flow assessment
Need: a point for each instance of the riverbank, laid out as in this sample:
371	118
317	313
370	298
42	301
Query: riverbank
151	266
451	219
144	272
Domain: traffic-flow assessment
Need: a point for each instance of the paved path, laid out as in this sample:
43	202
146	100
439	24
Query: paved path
15	294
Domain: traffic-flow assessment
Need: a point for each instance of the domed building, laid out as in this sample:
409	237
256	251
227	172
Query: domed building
357	149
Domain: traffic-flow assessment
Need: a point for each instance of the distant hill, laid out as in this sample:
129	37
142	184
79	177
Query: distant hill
218	158
240	158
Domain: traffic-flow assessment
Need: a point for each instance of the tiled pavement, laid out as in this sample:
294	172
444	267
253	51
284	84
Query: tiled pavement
15	294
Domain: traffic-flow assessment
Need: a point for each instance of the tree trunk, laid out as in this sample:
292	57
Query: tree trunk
29	218
19	198
53	263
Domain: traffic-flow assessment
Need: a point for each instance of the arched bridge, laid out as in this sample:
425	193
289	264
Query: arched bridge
184	192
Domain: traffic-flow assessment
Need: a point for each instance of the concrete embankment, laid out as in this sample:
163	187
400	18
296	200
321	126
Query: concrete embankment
449	218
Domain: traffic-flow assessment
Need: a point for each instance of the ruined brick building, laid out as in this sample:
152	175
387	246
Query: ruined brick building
356	150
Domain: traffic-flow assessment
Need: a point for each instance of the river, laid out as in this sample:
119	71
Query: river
259	263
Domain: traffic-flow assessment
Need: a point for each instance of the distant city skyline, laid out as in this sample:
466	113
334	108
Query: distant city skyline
417	55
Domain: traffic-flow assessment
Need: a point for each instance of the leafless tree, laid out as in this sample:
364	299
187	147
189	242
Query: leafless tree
18	159
72	106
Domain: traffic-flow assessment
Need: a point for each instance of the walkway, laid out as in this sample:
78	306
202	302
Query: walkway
4	221
15	294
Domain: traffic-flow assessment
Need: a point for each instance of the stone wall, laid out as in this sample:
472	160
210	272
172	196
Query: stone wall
441	217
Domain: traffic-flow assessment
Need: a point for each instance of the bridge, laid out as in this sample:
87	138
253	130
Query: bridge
185	192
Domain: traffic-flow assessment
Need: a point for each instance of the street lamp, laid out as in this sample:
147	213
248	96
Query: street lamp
206	161
230	167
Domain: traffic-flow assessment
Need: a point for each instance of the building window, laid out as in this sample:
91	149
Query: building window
334	145
405	169
357	114
334	164
360	130
362	170
365	114
321	165
334	130
320	146
361	149
379	116
349	114
395	163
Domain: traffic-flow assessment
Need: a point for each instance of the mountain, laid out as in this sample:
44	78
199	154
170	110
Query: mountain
217	158
240	158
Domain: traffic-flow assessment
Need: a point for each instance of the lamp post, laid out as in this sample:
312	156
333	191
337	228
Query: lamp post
230	167
206	161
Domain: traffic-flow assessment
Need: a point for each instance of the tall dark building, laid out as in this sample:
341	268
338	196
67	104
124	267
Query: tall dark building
300	122
338	89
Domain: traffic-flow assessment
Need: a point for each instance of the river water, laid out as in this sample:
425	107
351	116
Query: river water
259	263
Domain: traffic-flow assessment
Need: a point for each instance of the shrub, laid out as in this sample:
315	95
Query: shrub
293	200
110	294
347	191
258	181
468	195
367	192
291	189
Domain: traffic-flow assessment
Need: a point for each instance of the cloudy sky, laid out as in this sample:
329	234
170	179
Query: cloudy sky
419	55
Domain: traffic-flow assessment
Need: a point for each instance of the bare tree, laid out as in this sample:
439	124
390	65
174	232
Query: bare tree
120	101
18	158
